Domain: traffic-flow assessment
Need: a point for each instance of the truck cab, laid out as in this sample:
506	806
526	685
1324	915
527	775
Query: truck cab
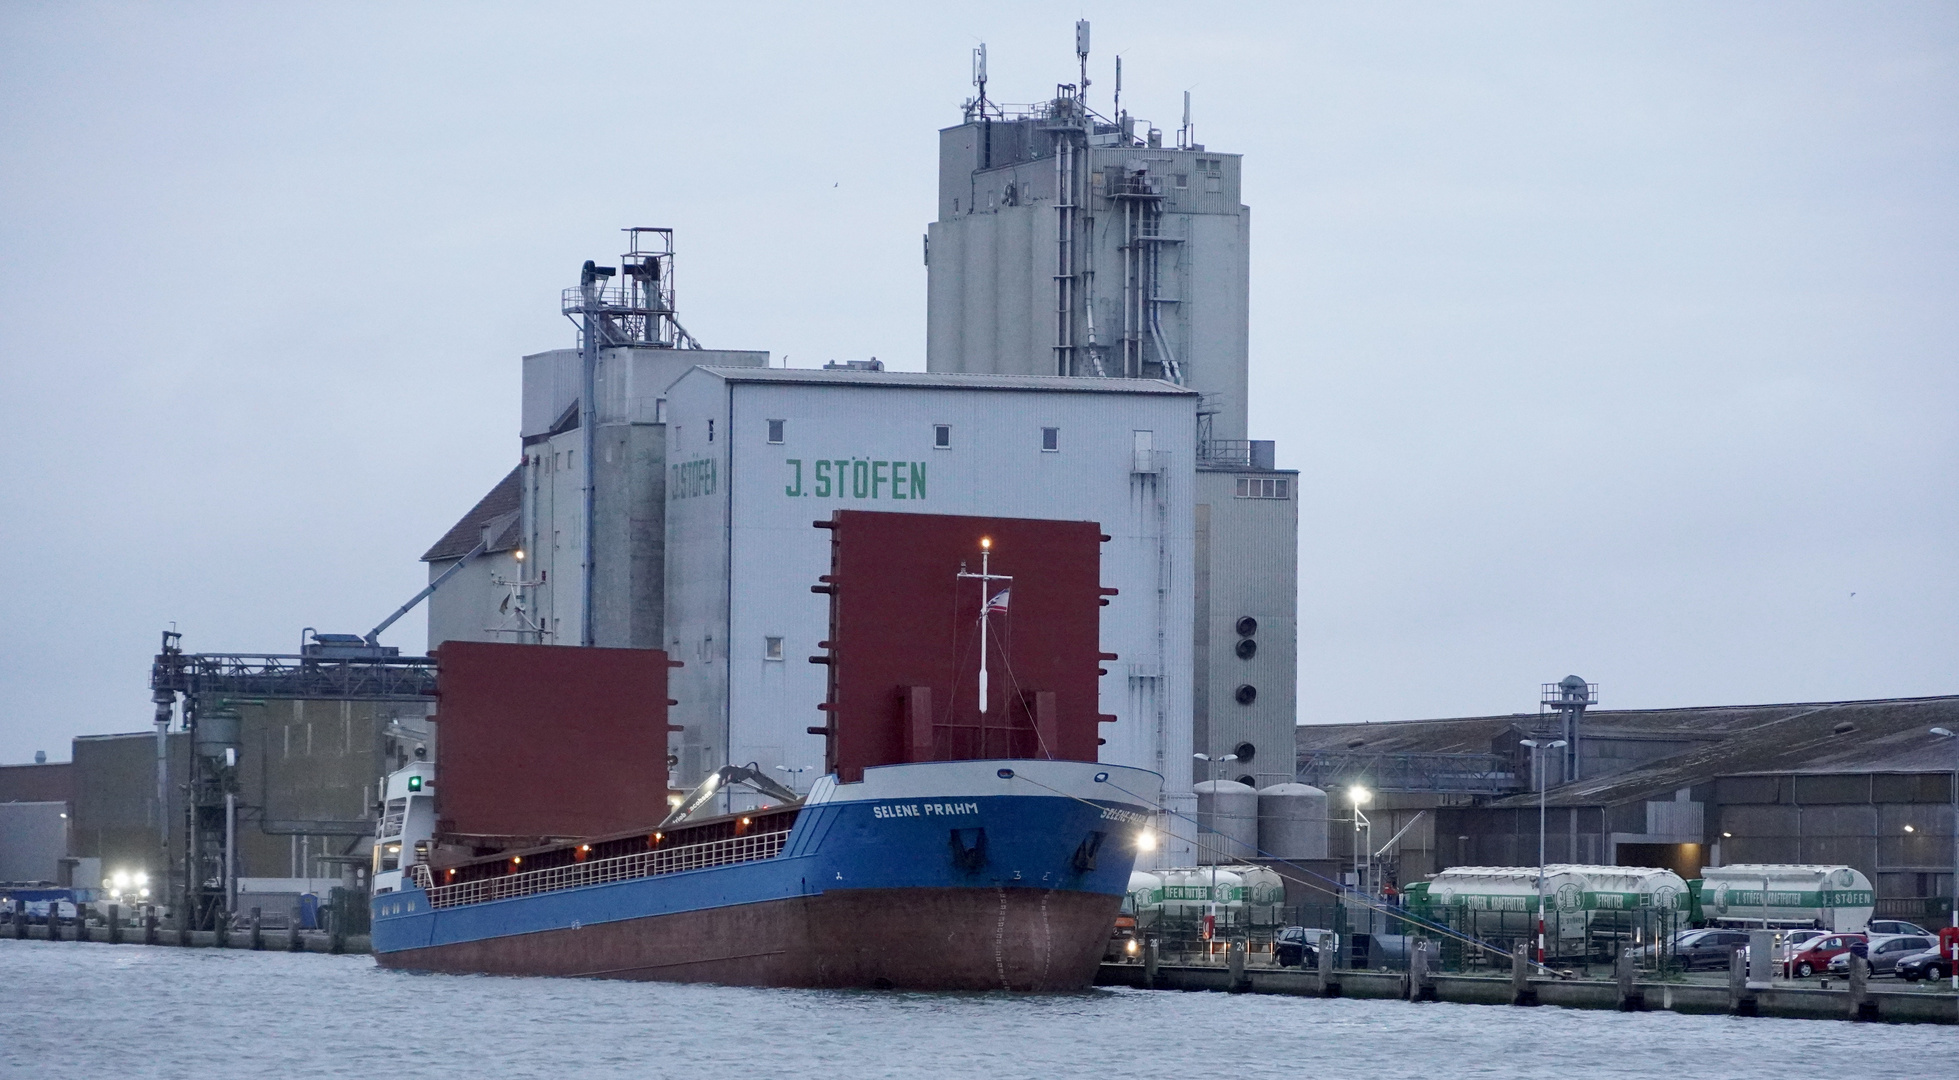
407	816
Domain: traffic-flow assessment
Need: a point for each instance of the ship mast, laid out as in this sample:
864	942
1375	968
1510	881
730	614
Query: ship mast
988	605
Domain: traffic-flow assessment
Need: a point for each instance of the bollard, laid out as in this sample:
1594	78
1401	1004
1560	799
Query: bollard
1420	988
1329	986
115	924
149	924
1521	991
258	932
1861	1005
1625	969
1235	959
1741	999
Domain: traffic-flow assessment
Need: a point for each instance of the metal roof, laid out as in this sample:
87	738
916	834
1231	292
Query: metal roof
502	509
934	380
1885	735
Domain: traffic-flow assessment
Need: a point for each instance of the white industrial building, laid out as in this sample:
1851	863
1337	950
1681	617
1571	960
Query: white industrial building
756	455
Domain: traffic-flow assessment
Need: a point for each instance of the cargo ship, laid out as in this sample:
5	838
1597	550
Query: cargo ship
964	835
963	875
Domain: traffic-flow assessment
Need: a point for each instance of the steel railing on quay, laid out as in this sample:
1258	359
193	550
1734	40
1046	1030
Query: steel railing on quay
643	864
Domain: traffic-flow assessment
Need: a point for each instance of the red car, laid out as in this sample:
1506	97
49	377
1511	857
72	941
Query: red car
1815	955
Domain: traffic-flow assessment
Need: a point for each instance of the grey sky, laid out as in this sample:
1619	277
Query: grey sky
1609	339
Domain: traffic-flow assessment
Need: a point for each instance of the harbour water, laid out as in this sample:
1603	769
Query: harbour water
130	1011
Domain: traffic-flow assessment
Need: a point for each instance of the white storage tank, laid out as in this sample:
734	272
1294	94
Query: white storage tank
1227	822
1834	898
1227	892
1263	892
1181	898
1292	822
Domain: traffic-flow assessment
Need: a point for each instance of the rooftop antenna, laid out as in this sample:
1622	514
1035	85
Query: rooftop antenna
1118	104
1081	53
1184	133
979	73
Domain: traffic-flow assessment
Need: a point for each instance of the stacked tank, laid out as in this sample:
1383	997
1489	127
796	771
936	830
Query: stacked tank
1834	898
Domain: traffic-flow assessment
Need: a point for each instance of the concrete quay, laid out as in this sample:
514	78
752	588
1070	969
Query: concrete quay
1924	1005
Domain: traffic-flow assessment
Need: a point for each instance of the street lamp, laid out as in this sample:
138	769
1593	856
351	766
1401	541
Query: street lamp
1359	797
1537	774
1213	892
795	776
1952	917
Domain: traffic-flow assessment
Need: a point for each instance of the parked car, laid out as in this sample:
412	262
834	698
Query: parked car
1816	954
1895	926
1929	964
1885	952
1299	946
1693	949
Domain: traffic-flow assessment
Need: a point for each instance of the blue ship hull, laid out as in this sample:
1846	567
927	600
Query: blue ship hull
946	875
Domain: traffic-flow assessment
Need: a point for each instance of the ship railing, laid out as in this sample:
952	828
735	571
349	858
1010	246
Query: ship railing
642	864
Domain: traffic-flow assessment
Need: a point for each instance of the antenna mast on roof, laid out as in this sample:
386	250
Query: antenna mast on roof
979	74
1081	53
1184	134
1117	107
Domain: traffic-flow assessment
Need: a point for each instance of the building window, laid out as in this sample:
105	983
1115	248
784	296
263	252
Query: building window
1264	487
772	646
1050	438
710	431
775	431
942	436
1214	184
1183	180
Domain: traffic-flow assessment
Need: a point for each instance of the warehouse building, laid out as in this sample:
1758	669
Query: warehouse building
1859	783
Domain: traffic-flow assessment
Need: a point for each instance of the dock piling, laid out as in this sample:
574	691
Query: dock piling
115	924
81	922
1626	971
20	919
258	931
1235	959
149	924
1420	986
1861	1005
1329	986
1741	999
1521	991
